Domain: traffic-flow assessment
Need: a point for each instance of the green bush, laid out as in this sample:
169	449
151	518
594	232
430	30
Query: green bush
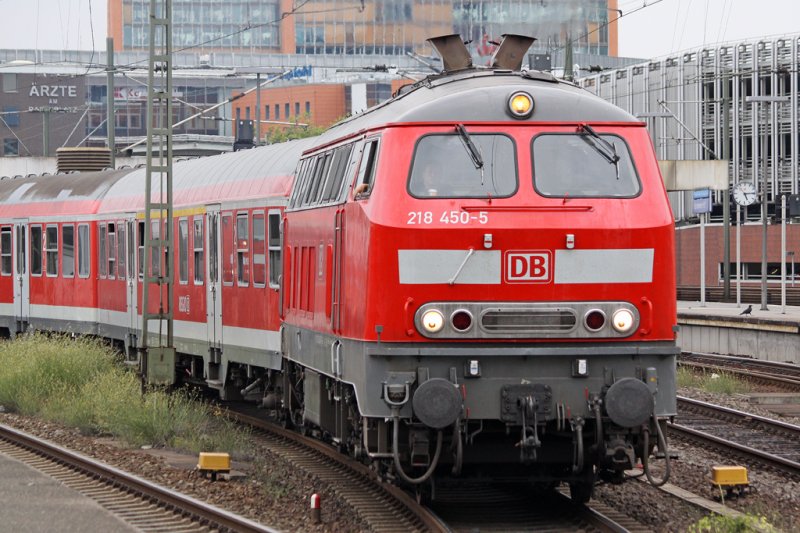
728	524
81	383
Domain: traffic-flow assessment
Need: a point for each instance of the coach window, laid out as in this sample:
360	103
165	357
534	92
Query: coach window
68	251
155	260
259	251
183	250
227	249
274	248
5	251
583	166
198	247
112	250
366	171
122	242
242	250
101	251
464	166
140	247
36	250
83	251
6	260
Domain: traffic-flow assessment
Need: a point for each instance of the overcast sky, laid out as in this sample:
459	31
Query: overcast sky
661	28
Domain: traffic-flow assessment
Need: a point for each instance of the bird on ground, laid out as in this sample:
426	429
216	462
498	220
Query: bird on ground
747	310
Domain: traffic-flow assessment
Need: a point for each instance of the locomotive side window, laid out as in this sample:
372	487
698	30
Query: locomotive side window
274	218
197	246
242	250
183	250
581	165
333	185
122	269
83	250
444	166
36	250
5	251
68	251
366	172
259	251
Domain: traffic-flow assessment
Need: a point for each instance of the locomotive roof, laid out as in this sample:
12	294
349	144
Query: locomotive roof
481	95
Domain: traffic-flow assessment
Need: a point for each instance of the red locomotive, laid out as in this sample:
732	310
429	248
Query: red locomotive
473	278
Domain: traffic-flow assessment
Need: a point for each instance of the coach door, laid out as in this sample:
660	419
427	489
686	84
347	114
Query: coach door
214	285
131	285
22	294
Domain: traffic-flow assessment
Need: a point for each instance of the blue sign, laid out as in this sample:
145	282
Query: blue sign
299	72
701	201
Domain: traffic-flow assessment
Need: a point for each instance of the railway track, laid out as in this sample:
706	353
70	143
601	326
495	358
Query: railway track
144	505
386	508
770	443
779	376
494	507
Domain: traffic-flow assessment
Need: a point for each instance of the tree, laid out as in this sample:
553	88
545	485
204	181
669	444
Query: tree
280	133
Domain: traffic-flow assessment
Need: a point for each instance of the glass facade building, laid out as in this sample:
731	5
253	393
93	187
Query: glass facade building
369	27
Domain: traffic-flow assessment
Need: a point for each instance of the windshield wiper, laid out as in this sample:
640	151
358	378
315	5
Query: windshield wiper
603	147
473	151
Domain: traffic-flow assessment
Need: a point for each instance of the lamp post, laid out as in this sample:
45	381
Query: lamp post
764	197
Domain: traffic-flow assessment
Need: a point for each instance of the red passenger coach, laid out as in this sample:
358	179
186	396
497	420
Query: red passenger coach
475	278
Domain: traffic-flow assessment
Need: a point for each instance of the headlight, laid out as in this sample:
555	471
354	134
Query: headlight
520	104
432	321
622	320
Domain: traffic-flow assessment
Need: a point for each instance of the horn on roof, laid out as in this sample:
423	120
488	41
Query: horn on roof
455	55
511	52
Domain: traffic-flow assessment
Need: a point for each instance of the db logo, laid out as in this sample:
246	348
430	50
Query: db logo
528	267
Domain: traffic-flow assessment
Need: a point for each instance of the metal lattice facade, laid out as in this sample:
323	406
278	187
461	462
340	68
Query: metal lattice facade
708	91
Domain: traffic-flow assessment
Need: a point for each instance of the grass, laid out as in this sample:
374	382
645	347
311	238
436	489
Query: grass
721	382
83	384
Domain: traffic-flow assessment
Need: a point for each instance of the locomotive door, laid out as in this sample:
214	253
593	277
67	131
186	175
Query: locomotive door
214	285
131	285
22	294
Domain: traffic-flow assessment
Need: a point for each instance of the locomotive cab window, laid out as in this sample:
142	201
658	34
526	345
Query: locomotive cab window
463	165
583	165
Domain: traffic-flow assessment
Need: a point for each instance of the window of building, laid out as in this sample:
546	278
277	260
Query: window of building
11	115
242	250
277	111
308	108
296	109
36	250
274	248
10	147
183	250
259	251
266	112
83	250
198	247
5	251
286	111
9	83
68	250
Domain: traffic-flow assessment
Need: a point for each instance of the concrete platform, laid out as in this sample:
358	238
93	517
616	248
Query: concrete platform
718	327
33	502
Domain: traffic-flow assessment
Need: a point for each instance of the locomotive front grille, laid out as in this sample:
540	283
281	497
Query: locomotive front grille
517	320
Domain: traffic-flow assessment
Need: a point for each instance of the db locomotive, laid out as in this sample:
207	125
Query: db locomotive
474	278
